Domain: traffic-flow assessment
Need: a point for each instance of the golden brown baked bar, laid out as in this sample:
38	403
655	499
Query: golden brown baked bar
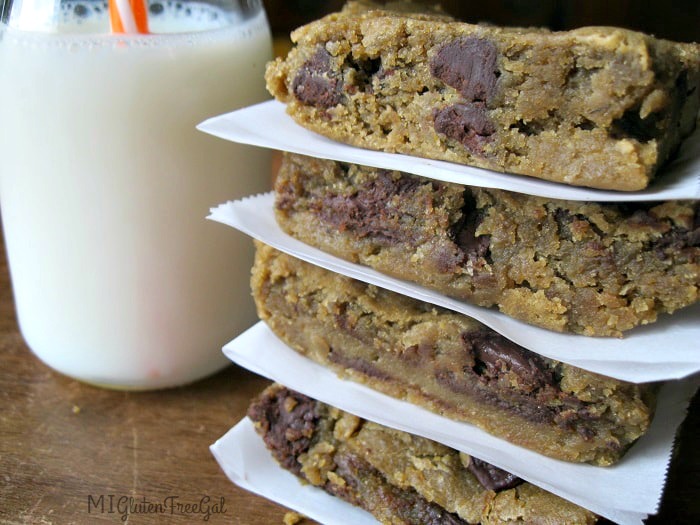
400	478
448	363
581	267
599	106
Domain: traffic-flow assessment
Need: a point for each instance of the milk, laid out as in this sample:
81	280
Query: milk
104	185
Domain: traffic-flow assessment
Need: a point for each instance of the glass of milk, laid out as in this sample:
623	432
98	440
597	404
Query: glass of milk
105	184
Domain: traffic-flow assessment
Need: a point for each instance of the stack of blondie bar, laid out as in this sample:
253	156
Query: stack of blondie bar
602	108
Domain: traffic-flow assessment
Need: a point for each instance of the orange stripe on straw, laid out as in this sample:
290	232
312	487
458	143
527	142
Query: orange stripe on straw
128	16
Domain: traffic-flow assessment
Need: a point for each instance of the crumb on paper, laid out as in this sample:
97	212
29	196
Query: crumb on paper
294	518
76	409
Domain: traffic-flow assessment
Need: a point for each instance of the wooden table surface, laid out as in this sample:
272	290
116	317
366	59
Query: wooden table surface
63	442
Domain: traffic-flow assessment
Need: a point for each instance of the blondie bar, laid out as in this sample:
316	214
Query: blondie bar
599	106
448	363
398	477
580	267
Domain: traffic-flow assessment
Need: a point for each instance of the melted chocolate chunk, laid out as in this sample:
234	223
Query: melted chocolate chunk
357	363
469	65
448	258
492	477
464	233
366	487
468	247
419	354
287	421
316	84
366	213
676	241
496	356
641	217
468	124
679	239
528	407
353	470
510	377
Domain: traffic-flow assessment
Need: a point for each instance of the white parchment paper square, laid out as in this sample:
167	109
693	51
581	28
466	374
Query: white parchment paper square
625	492
243	457
667	349
268	125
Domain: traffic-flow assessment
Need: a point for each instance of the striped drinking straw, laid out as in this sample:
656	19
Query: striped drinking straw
128	16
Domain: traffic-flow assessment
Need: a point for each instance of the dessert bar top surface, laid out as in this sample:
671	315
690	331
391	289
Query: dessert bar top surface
601	107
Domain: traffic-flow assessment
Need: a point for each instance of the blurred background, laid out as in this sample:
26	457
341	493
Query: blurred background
673	19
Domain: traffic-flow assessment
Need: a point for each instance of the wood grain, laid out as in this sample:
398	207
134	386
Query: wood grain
62	441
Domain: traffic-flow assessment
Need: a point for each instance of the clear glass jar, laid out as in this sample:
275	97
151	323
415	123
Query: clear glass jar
105	184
